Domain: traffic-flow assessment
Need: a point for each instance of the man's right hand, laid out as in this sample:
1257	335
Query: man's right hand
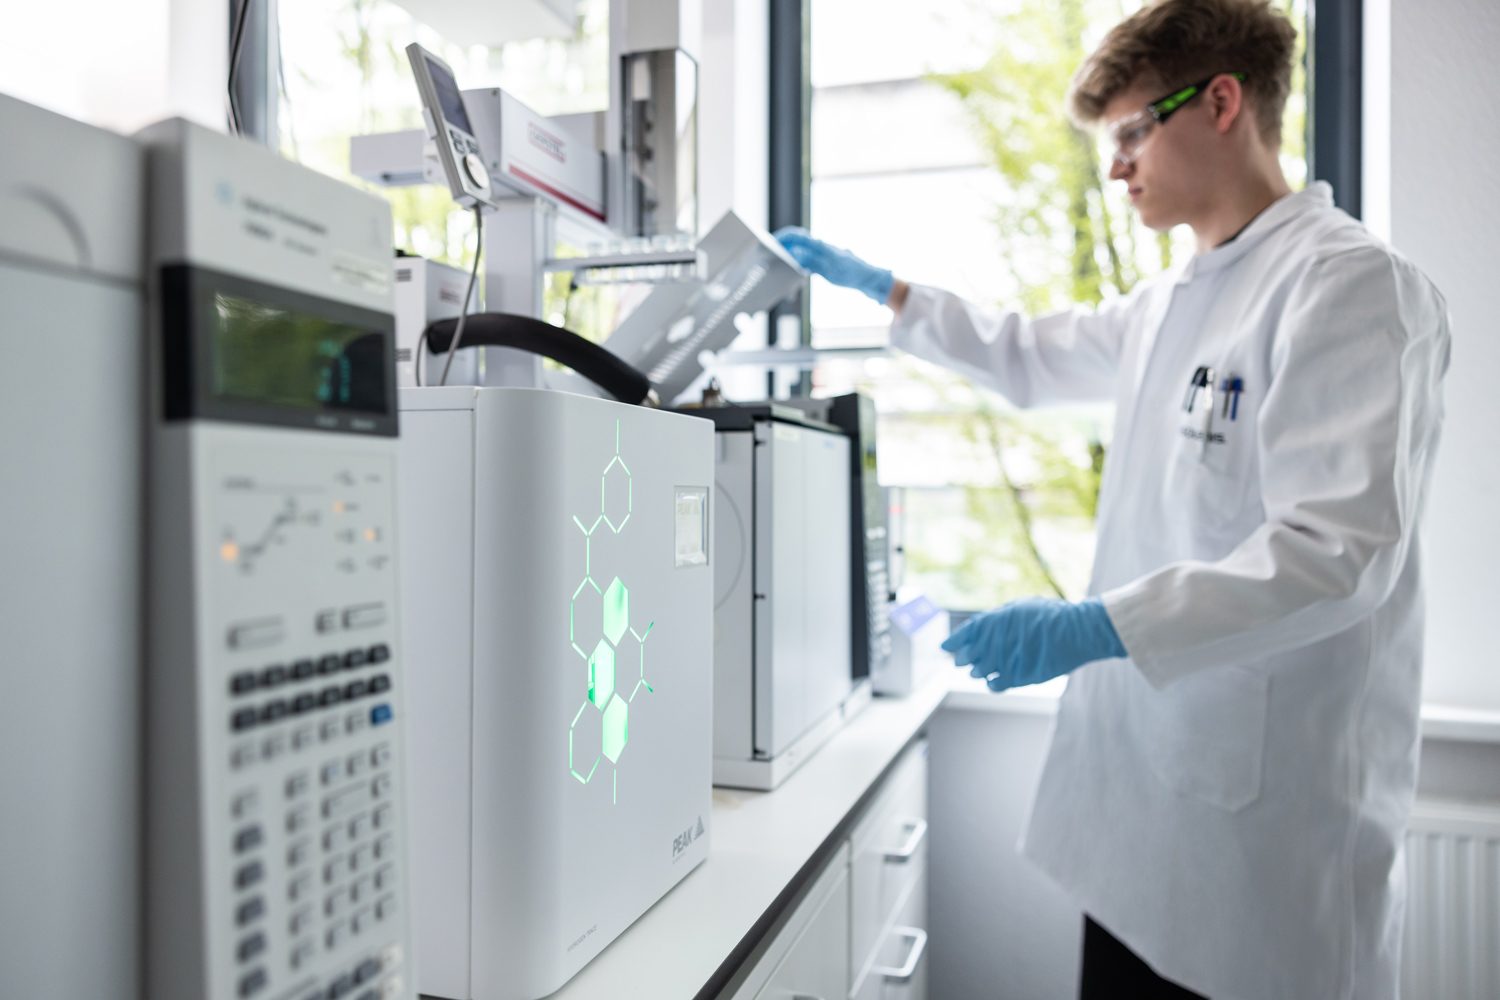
840	267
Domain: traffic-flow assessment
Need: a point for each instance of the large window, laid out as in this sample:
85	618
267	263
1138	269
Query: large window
940	150
345	73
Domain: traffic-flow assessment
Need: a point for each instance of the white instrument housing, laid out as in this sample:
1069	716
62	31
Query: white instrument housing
558	579
275	754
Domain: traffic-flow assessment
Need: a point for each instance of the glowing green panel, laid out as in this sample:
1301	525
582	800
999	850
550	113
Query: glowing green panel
616	611
616	728
601	674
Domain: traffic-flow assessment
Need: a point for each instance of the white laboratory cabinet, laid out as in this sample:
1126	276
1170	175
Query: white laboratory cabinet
860	930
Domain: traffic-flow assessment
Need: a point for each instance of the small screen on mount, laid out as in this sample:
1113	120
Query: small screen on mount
449	98
285	357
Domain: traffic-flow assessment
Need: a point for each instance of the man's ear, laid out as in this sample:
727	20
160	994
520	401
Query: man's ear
1226	98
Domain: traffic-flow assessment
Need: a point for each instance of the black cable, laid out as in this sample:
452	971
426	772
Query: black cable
526	333
236	43
463	312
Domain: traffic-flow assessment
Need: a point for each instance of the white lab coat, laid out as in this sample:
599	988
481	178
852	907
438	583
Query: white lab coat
1230	800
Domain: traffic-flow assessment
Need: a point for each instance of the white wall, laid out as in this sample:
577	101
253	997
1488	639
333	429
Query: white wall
999	929
1432	155
119	66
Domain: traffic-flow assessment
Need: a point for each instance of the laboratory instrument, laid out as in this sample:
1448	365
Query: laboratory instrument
557	566
869	584
918	628
427	290
782	683
71	313
276	760
449	129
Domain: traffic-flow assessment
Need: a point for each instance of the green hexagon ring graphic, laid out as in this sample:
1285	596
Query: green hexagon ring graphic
616	611
616	728
602	674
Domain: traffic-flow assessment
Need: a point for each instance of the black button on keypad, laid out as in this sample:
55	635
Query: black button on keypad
330	663
369	995
247	838
242	682
343	984
249	874
252	946
379	653
303	669
331	696
252	983
380	683
250	910
354	658
366	970
355	689
304	703
273	710
273	676
244	719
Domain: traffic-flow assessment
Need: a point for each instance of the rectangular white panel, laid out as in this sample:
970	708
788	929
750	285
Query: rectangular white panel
71	315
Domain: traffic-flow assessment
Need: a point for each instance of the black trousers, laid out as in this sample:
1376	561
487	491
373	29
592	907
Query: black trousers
1112	971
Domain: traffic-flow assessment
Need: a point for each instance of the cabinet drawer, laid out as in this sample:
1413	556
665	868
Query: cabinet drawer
817	965
889	851
899	969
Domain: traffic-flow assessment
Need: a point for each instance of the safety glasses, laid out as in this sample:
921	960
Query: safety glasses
1126	139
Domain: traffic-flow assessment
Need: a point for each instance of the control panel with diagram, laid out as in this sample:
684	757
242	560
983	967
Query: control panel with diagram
276	864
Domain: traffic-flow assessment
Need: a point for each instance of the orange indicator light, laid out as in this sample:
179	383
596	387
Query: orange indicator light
338	507
229	552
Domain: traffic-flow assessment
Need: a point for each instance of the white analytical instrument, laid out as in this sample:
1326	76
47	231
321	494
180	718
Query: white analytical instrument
71	314
428	290
918	628
557	582
276	777
783	683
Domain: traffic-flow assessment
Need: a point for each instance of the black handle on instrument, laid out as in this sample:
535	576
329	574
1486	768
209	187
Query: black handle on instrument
524	333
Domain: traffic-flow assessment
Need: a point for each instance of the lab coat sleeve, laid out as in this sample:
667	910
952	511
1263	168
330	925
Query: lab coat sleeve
1067	357
1345	438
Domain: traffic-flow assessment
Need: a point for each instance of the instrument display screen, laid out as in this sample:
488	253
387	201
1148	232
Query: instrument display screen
449	97
284	357
245	351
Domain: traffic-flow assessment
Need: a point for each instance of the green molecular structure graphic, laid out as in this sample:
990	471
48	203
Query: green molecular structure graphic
610	607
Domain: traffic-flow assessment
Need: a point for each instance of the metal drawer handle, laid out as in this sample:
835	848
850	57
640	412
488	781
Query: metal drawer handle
918	829
918	945
805	996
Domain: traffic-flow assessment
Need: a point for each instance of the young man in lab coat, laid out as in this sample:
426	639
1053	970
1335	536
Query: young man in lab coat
1235	755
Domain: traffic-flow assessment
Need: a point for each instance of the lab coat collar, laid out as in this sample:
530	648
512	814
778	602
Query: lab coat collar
1317	195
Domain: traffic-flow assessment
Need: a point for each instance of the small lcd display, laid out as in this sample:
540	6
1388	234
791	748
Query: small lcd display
277	356
449	98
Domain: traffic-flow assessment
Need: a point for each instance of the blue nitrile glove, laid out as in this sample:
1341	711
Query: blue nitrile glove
1034	639
839	266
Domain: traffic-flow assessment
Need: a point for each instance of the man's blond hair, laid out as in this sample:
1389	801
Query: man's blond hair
1174	43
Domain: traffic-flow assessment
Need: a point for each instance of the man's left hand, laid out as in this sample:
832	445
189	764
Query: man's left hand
1034	639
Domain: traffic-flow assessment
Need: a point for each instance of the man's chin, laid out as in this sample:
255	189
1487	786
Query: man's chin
1154	218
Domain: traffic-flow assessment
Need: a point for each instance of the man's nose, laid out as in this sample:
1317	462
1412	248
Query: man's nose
1119	170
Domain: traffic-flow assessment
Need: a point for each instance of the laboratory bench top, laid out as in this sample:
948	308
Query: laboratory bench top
768	846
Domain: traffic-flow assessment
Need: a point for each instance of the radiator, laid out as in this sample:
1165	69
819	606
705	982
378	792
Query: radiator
1451	950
